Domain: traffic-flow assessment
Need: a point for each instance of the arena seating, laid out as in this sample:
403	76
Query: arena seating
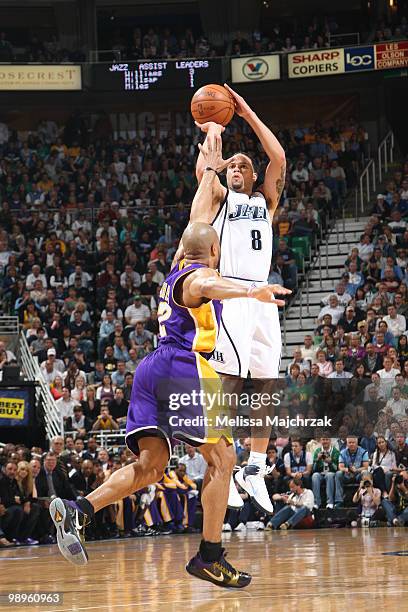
86	240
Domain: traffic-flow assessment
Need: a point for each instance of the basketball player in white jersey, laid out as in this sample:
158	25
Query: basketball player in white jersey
249	338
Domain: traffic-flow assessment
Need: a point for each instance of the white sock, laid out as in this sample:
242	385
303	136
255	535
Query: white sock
258	459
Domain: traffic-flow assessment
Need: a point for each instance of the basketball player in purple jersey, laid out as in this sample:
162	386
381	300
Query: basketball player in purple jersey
250	336
190	311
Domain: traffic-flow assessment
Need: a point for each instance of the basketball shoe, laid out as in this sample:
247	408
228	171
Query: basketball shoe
70	521
220	573
251	479
235	501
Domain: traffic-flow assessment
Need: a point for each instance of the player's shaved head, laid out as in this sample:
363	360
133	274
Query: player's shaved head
198	239
201	243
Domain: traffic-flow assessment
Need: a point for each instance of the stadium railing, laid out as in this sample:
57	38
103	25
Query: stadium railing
31	371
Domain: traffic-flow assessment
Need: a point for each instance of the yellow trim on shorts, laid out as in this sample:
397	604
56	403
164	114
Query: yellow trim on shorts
211	384
206	326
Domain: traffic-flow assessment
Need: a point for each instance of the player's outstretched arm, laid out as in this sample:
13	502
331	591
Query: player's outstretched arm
207	283
207	200
276	169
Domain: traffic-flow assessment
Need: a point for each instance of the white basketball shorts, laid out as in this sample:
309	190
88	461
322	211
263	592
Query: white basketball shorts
249	339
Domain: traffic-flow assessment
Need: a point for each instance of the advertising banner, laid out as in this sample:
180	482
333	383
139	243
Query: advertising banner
14	407
40	78
391	55
315	63
259	68
357	59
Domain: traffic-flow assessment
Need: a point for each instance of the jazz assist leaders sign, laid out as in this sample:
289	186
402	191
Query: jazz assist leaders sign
319	62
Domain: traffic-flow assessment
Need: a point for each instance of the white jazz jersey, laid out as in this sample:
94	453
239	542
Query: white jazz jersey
244	227
249	338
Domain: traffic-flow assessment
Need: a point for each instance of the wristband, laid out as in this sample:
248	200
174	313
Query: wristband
213	170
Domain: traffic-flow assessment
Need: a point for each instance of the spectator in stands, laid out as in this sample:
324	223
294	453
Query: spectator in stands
136	312
288	263
308	350
372	360
383	465
299	461
195	465
325	466
396	507
78	422
52	481
333	309
105	421
298	505
325	366
396	322
105	390
353	461
66	404
118	406
369	498
343	297
91	451
84	480
118	377
340	372
13	503
304	364
396	406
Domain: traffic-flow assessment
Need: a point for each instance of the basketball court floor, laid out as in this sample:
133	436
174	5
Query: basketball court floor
328	570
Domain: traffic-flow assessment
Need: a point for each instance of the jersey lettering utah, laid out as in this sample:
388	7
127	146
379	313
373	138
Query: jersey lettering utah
245	211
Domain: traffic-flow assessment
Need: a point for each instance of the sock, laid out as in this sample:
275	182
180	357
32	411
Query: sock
258	459
210	551
86	506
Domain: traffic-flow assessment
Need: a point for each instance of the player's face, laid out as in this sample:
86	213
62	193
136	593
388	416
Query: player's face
240	174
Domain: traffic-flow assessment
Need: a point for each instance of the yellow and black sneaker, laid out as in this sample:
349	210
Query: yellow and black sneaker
220	573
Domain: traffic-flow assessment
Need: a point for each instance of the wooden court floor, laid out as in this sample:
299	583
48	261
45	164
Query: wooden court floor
327	570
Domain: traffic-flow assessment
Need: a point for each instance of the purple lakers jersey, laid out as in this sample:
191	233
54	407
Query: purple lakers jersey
192	329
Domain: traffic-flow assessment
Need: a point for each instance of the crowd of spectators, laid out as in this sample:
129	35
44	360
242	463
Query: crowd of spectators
30	478
155	42
391	30
360	349
36	50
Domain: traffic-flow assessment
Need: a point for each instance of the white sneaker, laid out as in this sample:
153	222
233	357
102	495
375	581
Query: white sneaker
240	527
235	501
329	506
251	479
226	527
261	526
252	525
354	523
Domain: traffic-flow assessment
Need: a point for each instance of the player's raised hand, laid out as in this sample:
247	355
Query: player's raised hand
242	108
267	294
211	150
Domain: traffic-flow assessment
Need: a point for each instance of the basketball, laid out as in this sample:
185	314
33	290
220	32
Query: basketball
212	103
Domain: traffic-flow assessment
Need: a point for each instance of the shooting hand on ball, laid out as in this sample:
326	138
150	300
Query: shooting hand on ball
242	108
210	127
